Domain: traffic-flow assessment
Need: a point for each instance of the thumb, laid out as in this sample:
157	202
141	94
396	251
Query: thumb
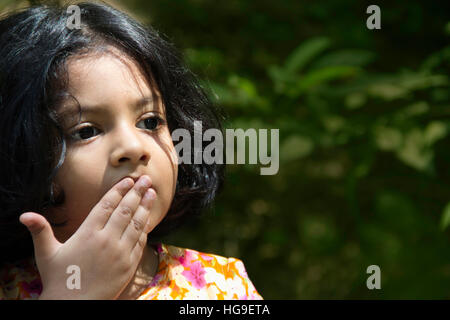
44	241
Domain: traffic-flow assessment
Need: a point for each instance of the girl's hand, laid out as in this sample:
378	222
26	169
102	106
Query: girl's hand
106	248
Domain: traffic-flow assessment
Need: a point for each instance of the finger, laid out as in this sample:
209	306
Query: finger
139	221
122	215
138	250
148	226
100	214
44	241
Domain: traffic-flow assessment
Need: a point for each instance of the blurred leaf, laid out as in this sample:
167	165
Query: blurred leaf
387	91
415	109
206	59
239	93
445	218
333	123
355	100
221	93
398	210
383	244
244	84
320	76
296	147
388	139
434	131
280	78
415	151
402	86
436	59
357	58
440	94
416	81
245	92
304	53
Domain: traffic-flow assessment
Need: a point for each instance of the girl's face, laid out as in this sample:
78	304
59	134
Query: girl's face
122	132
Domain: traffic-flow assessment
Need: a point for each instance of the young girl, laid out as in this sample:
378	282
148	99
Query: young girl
88	167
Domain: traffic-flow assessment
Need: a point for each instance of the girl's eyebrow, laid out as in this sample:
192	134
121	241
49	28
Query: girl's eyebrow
71	110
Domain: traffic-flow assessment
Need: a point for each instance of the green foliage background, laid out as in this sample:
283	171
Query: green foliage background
364	119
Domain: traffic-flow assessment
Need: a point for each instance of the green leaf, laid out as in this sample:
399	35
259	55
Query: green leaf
357	58
219	92
415	151
296	147
387	139
417	81
434	131
280	78
435	59
238	93
207	59
317	77
355	100
416	109
387	91
305	53
445	218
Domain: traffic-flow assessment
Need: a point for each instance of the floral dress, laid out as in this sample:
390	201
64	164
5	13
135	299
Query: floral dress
182	274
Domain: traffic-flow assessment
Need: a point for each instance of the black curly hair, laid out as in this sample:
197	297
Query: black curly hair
35	44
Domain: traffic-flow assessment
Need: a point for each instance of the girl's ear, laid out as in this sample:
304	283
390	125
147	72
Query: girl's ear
56	194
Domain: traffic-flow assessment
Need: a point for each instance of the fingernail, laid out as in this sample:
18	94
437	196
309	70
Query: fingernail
149	195
144	182
127	183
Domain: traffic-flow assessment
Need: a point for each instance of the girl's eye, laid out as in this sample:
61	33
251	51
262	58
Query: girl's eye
150	123
85	133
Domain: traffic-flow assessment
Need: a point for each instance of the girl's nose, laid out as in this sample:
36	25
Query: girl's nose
128	145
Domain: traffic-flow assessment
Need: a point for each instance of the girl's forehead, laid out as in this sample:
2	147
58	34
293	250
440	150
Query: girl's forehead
109	74
112	66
